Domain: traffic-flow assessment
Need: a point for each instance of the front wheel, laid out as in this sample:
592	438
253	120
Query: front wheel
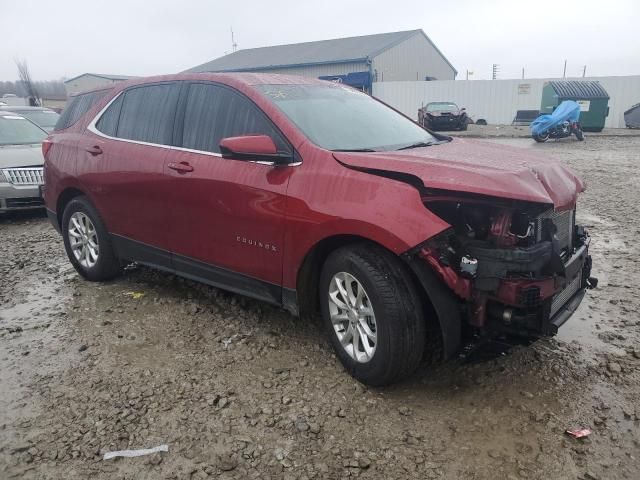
372	313
87	241
579	134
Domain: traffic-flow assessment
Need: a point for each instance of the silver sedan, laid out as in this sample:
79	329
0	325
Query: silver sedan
21	162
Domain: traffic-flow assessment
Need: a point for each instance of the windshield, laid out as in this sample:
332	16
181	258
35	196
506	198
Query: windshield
442	106
341	118
44	118
15	130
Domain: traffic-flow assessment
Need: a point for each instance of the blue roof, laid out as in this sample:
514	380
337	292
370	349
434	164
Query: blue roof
338	50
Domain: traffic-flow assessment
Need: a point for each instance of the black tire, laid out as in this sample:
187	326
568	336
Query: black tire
399	315
463	125
579	135
541	138
107	265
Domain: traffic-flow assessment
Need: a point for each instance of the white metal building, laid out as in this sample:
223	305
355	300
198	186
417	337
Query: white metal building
89	81
357	61
497	101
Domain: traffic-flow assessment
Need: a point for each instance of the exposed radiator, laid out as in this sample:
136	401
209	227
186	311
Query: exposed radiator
564	222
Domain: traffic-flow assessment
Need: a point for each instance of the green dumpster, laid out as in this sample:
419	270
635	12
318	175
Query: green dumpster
592	98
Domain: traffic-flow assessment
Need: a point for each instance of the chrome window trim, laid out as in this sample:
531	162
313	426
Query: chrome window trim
93	129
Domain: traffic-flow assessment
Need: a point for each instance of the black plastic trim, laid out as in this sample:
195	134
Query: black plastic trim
53	218
290	301
127	249
566	311
446	305
197	270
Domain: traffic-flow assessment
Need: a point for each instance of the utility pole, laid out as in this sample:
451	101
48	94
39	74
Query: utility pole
495	70
523	73
584	71
469	73
564	72
234	45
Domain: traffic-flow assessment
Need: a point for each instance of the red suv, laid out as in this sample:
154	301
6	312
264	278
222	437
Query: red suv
318	198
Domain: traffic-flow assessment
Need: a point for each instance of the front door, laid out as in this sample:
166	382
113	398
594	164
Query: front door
226	216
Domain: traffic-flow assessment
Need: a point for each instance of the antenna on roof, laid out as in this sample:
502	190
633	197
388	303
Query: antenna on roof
234	45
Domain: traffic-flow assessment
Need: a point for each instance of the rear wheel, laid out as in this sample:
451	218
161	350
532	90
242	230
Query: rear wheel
541	138
372	313
87	242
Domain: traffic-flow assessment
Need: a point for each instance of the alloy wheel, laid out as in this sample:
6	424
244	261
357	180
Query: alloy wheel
352	317
83	239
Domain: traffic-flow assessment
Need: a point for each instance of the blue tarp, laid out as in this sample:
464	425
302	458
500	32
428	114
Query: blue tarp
566	111
361	80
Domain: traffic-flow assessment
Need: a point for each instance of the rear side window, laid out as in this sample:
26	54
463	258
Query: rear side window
213	112
108	122
77	107
146	114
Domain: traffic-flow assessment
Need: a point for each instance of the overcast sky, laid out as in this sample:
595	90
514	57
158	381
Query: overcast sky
64	38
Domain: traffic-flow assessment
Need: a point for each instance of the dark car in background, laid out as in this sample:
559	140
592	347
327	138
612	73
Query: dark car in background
443	116
44	117
20	162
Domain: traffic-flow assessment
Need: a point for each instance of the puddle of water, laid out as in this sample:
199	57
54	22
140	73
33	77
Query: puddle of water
583	217
33	309
29	343
585	327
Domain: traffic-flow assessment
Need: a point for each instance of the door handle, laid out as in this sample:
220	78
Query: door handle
94	150
182	167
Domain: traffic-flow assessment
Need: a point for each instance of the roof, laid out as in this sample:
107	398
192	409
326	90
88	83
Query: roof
578	89
100	75
231	78
338	50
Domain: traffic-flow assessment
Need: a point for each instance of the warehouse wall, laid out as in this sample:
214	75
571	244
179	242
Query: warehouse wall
413	59
86	82
316	71
497	100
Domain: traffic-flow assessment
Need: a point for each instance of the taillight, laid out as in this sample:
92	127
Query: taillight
46	145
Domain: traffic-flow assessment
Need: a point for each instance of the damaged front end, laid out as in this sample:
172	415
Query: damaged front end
516	267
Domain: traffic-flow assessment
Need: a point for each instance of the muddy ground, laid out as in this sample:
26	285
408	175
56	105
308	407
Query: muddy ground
238	389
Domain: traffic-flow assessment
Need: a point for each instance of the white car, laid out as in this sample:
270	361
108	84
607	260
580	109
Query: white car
21	163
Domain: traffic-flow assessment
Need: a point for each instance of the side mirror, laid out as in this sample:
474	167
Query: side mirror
252	148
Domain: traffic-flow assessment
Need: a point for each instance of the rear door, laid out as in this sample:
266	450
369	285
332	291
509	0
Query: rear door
226	216
123	168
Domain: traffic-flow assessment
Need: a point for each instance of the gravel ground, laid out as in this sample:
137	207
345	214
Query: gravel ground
238	389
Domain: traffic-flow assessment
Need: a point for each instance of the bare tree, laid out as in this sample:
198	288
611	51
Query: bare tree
27	83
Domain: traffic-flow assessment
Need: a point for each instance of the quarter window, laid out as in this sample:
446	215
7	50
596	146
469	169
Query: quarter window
108	122
213	112
77	107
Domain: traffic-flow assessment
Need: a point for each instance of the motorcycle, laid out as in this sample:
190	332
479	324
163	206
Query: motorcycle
562	122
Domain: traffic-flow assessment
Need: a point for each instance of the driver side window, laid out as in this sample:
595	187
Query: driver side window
213	112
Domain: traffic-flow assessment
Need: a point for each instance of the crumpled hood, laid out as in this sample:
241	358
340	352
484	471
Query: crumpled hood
478	167
21	155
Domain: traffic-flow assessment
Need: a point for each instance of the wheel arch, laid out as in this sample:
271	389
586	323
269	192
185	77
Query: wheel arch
63	200
439	303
